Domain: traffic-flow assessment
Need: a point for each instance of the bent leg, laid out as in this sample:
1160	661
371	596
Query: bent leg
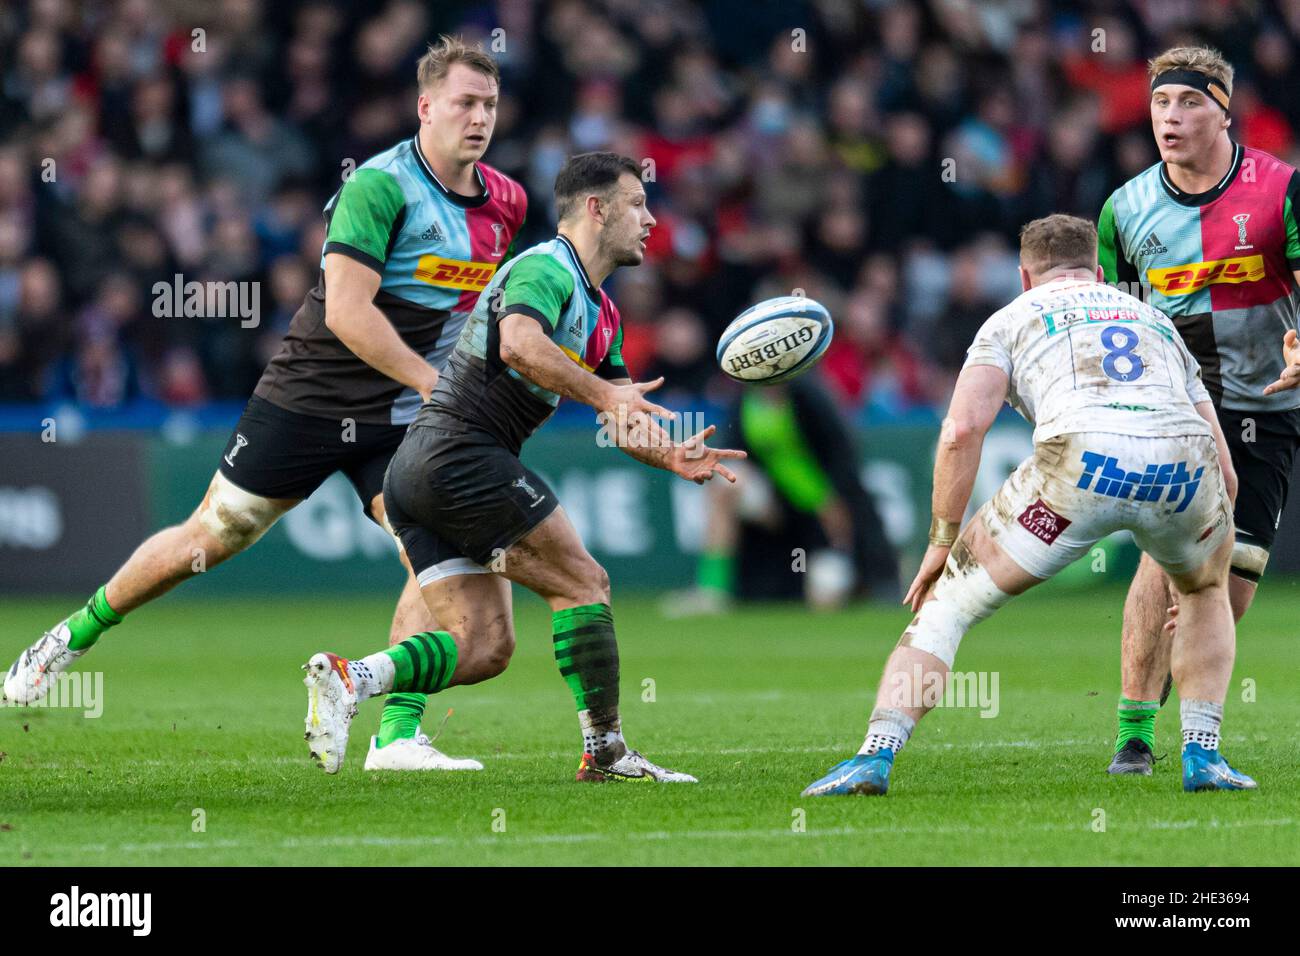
226	522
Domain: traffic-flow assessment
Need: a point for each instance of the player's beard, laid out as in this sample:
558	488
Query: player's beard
626	253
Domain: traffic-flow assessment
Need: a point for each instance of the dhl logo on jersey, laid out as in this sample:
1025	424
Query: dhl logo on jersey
1185	279
454	273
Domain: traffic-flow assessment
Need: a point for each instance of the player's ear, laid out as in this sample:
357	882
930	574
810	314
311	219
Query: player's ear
596	209
1025	284
422	107
1101	274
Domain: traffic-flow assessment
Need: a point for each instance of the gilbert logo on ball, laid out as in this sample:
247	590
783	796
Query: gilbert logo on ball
775	340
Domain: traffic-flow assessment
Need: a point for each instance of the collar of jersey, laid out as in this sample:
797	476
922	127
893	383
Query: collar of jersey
592	292
1219	188
468	202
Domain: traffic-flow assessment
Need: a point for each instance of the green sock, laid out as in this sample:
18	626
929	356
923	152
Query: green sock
424	663
1137	721
587	654
91	621
400	718
715	571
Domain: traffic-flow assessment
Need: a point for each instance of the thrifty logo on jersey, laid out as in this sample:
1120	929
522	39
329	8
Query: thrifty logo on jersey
765	353
1186	279
1114	481
454	273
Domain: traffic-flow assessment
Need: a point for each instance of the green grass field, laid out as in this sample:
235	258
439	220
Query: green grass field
203	707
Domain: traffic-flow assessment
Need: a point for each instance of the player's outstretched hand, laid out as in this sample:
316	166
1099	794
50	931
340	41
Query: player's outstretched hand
931	567
627	400
696	461
1290	377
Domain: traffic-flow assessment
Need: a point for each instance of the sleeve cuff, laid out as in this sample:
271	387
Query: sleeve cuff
608	371
1294	264
352	252
542	319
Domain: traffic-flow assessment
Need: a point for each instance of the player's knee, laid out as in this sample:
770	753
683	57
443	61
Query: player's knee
596	583
964	596
234	518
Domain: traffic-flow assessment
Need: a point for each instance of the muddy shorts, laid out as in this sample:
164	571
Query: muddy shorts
1078	488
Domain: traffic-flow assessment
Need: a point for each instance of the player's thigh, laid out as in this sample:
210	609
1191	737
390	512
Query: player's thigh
1040	521
552	561
230	519
1185	526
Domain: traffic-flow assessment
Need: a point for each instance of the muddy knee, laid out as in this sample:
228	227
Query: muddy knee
235	517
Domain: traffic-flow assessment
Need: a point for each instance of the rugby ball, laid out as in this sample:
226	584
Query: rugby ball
775	340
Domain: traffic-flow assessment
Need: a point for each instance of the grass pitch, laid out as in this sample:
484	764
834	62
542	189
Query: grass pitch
198	756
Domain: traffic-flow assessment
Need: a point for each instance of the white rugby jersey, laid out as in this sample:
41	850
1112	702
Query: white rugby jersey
1085	357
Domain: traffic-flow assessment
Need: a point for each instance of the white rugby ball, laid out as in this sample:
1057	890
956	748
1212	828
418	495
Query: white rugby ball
775	340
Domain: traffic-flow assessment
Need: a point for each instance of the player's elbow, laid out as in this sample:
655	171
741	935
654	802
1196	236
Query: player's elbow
961	431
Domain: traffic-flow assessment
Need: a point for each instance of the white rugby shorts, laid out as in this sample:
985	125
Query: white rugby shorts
1077	488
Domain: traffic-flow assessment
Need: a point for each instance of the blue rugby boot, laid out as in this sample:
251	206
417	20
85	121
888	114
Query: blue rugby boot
864	774
1207	770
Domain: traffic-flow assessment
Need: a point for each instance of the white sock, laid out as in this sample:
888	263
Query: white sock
1201	722
602	734
372	675
889	729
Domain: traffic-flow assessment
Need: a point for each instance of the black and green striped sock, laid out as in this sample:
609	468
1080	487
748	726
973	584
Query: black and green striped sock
89	623
423	663
587	653
1137	721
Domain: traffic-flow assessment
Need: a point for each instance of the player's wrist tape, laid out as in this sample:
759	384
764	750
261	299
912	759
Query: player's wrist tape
943	533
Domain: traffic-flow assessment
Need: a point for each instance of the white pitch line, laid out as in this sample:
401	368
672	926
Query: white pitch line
655	836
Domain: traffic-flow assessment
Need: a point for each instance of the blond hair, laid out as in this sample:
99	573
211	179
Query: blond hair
1058	240
1202	59
437	62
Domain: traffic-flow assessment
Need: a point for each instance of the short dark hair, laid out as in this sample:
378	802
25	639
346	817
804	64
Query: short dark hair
1058	240
588	173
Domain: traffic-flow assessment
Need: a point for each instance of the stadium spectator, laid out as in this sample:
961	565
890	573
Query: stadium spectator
130	145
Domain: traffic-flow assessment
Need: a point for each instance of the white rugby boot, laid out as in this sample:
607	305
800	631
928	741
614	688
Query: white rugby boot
630	766
331	705
38	668
414	753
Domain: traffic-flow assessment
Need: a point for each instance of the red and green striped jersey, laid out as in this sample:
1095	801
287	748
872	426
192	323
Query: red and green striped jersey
435	251
1220	264
546	282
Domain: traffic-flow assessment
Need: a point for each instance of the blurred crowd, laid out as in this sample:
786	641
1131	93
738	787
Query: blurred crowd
880	156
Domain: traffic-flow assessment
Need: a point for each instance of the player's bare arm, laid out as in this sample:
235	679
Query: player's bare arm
979	394
351	314
531	353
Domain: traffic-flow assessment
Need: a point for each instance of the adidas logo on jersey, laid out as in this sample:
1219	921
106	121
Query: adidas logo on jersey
575	328
1152	246
432	234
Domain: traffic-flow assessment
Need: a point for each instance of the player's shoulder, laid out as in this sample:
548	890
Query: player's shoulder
398	158
1137	193
546	260
505	190
1265	168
